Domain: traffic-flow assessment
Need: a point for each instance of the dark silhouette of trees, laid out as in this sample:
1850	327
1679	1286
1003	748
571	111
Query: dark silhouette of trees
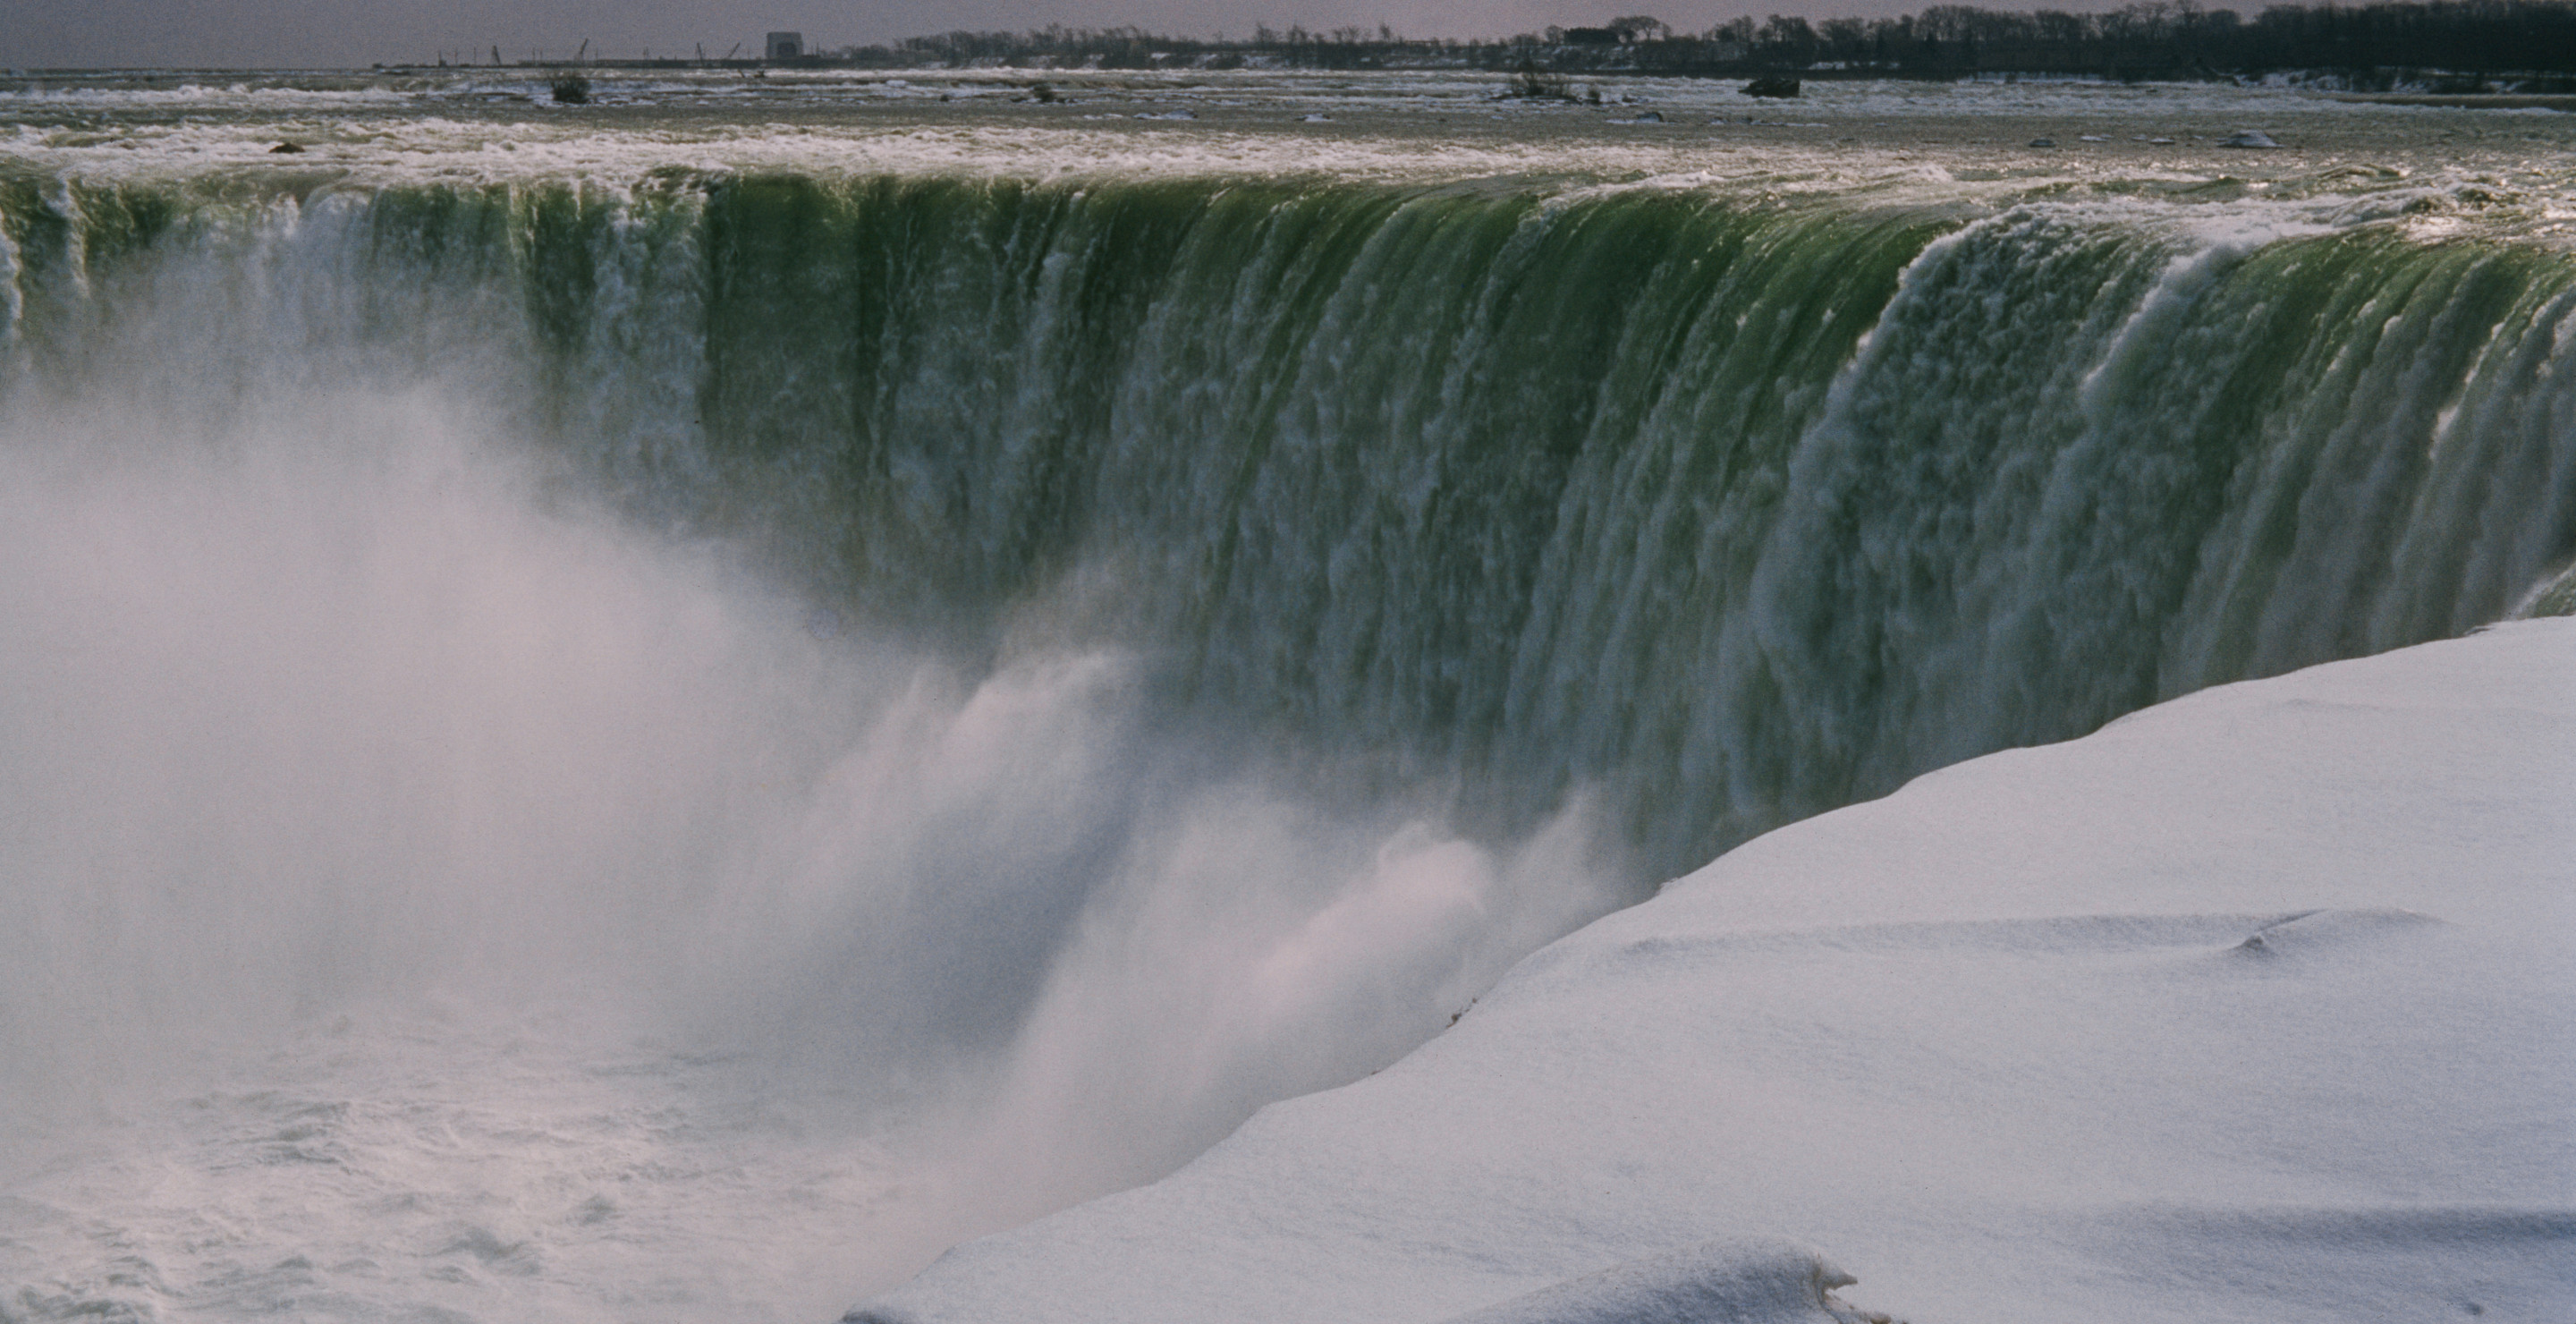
2456	39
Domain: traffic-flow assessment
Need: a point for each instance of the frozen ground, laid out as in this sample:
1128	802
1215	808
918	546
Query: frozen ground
2250	1007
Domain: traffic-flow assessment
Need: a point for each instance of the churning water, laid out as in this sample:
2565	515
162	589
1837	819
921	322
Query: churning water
658	716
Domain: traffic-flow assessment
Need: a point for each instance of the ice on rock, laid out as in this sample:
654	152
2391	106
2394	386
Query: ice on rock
1732	1279
2326	930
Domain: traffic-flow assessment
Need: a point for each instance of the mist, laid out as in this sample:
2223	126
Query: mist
359	755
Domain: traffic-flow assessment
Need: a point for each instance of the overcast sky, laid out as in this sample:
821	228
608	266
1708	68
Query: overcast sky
310	33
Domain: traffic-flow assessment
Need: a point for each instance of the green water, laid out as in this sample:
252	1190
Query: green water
1724	507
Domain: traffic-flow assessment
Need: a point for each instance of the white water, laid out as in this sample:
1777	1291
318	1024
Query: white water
1907	140
434	900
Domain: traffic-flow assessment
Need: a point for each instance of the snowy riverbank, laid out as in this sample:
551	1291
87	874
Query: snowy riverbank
2252	1006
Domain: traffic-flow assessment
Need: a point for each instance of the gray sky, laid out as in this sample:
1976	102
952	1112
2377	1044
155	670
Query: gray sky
292	33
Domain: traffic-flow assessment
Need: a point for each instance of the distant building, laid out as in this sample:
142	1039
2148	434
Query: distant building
786	45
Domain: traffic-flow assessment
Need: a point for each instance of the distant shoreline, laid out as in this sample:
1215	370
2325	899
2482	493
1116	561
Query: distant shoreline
2444	48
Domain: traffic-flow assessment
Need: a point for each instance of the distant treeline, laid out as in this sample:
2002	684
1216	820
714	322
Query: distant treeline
2158	39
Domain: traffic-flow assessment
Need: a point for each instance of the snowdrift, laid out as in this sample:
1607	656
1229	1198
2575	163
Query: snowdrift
2252	1006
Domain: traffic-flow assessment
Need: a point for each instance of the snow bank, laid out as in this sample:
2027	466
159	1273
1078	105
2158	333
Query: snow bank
2253	1006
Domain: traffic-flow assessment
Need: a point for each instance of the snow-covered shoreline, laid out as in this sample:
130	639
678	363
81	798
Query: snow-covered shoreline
2251	1006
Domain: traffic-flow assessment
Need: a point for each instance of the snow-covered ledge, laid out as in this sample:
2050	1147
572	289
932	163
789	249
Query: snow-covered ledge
2255	1006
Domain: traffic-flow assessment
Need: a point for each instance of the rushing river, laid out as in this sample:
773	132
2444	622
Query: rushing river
656	710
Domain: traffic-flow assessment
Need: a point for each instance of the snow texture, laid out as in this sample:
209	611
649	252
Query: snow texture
2253	1006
